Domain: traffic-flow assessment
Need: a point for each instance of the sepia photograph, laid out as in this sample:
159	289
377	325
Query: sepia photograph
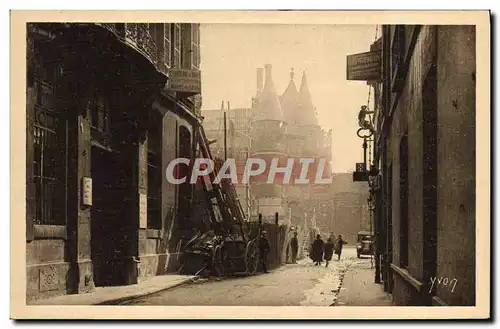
292	164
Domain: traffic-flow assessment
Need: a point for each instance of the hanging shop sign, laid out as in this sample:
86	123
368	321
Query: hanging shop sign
361	174
185	81
365	66
364	133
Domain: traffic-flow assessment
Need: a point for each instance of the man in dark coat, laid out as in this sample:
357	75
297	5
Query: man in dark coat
264	249
338	247
294	246
329	245
317	250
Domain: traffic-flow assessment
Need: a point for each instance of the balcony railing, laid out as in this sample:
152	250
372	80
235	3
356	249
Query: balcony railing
138	36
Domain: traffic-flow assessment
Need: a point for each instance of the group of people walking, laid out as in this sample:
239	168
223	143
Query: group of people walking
321	250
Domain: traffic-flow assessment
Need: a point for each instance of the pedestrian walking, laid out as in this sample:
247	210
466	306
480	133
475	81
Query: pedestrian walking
294	246
338	246
317	249
264	249
329	246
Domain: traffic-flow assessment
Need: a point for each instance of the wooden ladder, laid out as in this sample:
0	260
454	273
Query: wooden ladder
224	202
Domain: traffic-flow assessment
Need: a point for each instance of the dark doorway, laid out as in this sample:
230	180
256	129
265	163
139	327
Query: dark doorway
403	202
388	285
108	217
185	223
430	175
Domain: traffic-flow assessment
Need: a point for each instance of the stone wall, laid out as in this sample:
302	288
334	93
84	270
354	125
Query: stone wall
436	109
456	164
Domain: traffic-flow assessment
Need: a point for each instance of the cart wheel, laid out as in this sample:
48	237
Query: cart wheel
217	262
251	258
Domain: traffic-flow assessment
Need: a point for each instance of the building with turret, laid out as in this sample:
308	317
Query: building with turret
279	126
268	132
306	139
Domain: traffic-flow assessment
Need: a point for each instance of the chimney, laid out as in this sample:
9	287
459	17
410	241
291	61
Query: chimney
259	81
268	68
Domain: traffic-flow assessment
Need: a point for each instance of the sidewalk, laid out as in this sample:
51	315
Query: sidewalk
358	287
112	295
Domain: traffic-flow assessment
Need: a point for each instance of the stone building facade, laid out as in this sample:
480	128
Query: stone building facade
426	154
108	106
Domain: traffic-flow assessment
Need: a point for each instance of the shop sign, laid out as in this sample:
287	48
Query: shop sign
361	174
365	66
185	81
143	210
87	191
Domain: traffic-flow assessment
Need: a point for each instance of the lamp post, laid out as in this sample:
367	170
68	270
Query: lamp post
365	132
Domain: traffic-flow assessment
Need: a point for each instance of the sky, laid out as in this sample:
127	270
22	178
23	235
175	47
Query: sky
231	54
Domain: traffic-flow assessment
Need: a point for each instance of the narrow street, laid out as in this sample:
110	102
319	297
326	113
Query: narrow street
164	156
301	284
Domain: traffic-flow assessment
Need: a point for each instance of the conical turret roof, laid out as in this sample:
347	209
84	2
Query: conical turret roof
289	102
306	108
269	105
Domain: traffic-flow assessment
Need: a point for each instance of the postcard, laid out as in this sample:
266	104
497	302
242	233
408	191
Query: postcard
250	165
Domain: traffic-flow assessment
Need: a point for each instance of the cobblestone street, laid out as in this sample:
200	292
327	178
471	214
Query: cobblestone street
300	284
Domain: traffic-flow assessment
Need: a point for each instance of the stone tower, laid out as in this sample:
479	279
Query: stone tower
303	139
268	132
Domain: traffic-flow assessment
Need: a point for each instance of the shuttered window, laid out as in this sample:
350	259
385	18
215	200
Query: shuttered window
99	112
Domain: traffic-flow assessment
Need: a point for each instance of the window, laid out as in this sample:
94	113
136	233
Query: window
403	207
49	158
154	171
99	114
195	46
186	51
167	45
176	45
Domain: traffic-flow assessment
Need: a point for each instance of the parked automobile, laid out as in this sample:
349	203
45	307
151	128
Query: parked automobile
364	246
